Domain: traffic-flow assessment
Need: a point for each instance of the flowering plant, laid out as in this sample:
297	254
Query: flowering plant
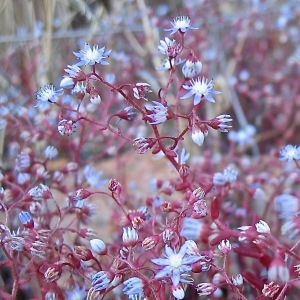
223	223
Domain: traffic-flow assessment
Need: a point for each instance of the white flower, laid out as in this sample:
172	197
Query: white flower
51	152
165	44
175	264
191	68
48	93
178	291
95	99
182	157
93	177
224	246
156	114
76	293
237	280
168	64
23	178
169	48
286	205
291	228
278	270
100	280
181	24
23	161
290	152
262	227
79	88
142	145
243	136
75	72
229	175
91	56
40	192
133	287
192	248
200	88
140	89
198	137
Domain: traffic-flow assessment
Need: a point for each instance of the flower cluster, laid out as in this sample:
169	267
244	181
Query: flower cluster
84	216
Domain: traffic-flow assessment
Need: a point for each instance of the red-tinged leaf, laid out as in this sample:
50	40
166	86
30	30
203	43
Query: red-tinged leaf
224	235
215	208
5	296
7	263
182	186
265	260
253	280
249	252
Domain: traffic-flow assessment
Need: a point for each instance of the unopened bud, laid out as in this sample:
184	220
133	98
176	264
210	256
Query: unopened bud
67	83
114	185
98	246
83	253
53	273
130	237
150	242
26	219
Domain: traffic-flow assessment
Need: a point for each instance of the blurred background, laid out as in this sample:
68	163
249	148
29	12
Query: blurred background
250	48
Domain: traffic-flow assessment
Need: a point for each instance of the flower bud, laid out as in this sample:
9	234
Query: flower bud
83	253
53	273
191	68
94	96
150	242
197	136
67	83
26	219
129	237
66	127
98	246
81	194
114	185
225	247
178	291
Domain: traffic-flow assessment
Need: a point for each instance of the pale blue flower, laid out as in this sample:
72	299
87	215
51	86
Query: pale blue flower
76	293
183	157
286	205
156	114
229	175
51	152
100	281
24	217
191	68
290	152
93	177
191	229
176	264
23	178
200	88
243	136
91	56
47	93
133	288
181	24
